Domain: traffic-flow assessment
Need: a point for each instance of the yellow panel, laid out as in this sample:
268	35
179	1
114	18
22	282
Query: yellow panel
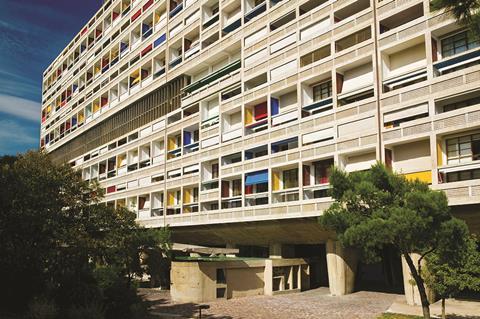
276	181
171	145
425	176
170	199
248	116
81	117
186	196
439	153
120	161
187	209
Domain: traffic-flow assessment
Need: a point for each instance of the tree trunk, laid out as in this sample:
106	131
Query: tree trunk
420	285
443	309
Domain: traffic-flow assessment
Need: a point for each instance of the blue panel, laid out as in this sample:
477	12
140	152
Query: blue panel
160	40
145	27
176	10
74	121
123	46
275	106
187	137
256	178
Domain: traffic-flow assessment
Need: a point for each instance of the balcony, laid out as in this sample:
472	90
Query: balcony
255	11
212	77
457	62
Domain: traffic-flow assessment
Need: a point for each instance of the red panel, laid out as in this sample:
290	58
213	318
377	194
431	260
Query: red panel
146	50
115	15
43	119
104	101
225	189
111	189
84	30
434	51
136	15
339	83
147	5
248	189
260	111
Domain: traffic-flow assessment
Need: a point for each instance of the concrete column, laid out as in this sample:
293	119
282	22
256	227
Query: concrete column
275	251
230	245
411	291
268	278
341	266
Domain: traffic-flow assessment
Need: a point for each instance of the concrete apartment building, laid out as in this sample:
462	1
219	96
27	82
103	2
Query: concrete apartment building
222	118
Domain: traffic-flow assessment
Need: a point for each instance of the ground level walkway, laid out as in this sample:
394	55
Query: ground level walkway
454	308
316	303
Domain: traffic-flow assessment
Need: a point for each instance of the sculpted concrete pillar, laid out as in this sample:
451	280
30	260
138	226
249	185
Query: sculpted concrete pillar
341	266
275	251
411	291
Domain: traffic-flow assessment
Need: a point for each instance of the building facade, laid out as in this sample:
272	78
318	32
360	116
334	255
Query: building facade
222	118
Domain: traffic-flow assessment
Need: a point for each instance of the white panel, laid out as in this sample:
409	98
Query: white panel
318	136
210	141
360	162
285	117
315	29
174	172
132	184
357	78
284	70
255	58
412	157
252	38
283	43
405	112
158	125
188	3
146	131
191	168
231	134
144	181
191	18
357	127
175	29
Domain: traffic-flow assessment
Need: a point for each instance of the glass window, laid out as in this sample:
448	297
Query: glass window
458	43
290	178
463	149
322	91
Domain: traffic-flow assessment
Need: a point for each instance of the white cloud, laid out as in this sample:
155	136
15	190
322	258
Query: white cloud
22	108
15	137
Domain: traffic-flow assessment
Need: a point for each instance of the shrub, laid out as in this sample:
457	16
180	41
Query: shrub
92	310
42	308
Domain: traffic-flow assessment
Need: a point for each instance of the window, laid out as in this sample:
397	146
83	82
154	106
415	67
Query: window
458	43
322	170
461	104
237	187
463	175
322	91
214	170
463	149
290	178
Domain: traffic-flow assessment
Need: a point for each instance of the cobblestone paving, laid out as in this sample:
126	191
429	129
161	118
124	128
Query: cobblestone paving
310	304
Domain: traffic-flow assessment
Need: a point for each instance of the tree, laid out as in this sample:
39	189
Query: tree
449	277
466	12
377	208
58	240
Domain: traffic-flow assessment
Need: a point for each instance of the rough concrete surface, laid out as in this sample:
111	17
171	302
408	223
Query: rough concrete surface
316	303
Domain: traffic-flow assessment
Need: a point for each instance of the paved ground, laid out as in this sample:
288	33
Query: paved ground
310	304
454	308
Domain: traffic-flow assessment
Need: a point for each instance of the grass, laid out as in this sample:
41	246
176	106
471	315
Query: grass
397	316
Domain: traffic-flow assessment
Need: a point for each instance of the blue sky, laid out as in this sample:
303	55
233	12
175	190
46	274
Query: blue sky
32	34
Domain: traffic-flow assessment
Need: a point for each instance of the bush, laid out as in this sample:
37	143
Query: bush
42	308
138	311
93	310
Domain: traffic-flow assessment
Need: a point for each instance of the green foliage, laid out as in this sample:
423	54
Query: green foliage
57	239
450	276
377	208
42	308
466	12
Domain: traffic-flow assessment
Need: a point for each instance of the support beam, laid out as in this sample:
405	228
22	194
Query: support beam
341	266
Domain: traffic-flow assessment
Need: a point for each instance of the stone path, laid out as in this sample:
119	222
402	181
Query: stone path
314	303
